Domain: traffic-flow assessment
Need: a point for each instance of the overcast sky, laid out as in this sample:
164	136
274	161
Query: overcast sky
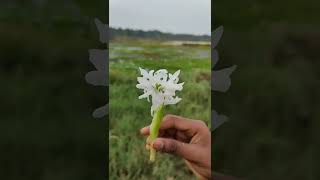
175	16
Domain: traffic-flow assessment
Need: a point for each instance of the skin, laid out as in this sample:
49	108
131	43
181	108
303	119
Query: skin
187	138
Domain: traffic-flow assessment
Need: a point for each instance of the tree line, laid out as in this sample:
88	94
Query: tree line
154	34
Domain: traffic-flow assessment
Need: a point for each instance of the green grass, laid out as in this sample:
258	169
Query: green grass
128	158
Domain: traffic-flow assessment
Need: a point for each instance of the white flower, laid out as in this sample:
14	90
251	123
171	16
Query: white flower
161	86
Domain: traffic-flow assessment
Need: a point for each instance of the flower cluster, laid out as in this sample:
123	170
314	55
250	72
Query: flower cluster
161	86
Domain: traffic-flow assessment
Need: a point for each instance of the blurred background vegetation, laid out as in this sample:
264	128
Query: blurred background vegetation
46	128
274	100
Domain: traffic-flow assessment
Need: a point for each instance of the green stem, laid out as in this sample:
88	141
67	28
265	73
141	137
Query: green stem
154	130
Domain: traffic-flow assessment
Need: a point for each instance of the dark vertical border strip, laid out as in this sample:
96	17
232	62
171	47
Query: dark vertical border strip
212	22
220	79
100	77
107	139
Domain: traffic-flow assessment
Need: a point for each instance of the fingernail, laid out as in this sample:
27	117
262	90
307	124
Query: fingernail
157	145
142	130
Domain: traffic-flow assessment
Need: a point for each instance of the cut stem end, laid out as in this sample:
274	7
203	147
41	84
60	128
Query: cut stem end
152	154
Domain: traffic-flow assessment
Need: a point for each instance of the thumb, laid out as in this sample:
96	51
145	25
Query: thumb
172	146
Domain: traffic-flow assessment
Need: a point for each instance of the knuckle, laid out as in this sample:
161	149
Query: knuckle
171	147
168	116
201	124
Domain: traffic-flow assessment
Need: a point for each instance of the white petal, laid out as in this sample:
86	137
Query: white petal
175	87
151	73
169	93
176	74
157	99
161	71
143	72
146	95
141	80
153	109
161	75
172	100
174	78
140	86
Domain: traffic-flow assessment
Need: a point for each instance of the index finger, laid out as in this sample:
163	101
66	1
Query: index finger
189	126
177	122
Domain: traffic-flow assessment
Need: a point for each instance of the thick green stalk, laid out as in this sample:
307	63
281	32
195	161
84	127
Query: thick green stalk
154	130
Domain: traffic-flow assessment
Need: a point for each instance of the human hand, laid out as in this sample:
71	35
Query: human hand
187	138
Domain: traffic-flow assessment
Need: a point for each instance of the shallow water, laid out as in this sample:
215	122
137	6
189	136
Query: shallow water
157	51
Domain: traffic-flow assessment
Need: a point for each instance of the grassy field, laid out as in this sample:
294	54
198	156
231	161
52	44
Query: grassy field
128	158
